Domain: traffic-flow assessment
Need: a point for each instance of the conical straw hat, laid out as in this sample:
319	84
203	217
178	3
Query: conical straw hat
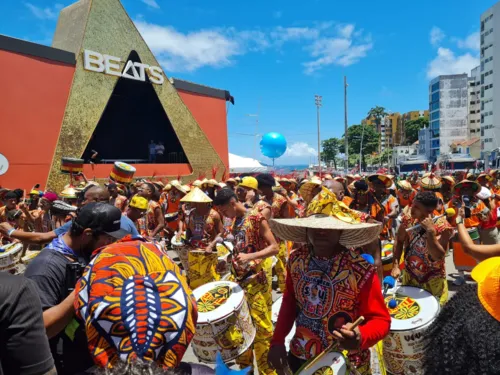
196	195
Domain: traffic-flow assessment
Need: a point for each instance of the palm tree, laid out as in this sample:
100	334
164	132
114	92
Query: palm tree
377	113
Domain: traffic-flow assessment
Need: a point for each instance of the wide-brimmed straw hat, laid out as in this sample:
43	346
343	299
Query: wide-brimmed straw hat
486	176
340	179
176	184
197	183
212	182
466	184
69	193
328	176
449	180
430	181
494	172
353	234
380	177
196	195
405	185
307	188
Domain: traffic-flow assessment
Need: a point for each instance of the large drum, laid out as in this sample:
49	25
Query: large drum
10	256
403	348
333	363
122	172
463	261
274	319
224	322
71	165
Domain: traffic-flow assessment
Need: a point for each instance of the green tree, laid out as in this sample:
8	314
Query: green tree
385	157
412	127
330	150
370	141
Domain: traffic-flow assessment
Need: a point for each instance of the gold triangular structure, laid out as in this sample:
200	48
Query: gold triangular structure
104	26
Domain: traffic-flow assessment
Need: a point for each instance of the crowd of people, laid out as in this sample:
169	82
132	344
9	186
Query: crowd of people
100	294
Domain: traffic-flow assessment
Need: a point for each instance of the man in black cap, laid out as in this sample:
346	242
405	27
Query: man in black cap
55	272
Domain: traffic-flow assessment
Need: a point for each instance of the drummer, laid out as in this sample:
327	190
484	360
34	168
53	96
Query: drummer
328	287
431	182
247	191
426	249
360	201
383	206
135	211
116	199
175	192
446	188
406	194
254	244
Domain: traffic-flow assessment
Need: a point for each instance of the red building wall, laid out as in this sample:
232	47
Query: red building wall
33	98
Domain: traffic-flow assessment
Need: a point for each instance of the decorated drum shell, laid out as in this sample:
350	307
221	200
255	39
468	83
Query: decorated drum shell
223	314
122	172
71	165
10	256
333	363
403	348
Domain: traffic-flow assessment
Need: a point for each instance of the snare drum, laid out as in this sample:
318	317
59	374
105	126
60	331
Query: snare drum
122	172
202	268
224	322
333	363
9	256
403	348
387	257
463	261
71	165
182	251
274	319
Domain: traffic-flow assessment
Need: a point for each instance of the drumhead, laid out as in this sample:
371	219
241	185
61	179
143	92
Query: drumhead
333	363
174	241
217	300
124	166
416	308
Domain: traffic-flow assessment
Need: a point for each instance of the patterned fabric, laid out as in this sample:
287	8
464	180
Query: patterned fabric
475	220
135	304
418	262
293	197
327	293
202	268
151	222
121	202
277	205
326	203
379	208
438	287
406	197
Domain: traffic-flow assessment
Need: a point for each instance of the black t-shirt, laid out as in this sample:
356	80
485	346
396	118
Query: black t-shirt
48	271
24	348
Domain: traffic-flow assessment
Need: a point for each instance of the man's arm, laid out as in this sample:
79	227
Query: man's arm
434	246
286	317
398	248
394	211
27	237
478	252
160	220
284	210
58	317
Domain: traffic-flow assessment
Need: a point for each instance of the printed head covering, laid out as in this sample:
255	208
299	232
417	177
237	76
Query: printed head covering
380	177
405	185
135	305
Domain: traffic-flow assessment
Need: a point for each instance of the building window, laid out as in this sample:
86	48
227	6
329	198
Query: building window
482	119
435	87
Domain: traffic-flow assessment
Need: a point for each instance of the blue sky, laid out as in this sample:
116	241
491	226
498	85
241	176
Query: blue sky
281	53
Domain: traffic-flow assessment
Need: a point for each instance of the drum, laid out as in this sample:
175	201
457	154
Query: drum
403	348
181	250
387	256
463	261
274	318
202	268
333	363
71	165
224	322
224	255
9	256
122	172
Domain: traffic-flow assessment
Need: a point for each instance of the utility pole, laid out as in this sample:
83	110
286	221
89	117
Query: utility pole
318	99
256	115
361	146
345	127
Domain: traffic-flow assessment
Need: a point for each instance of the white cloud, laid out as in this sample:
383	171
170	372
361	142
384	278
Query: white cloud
151	3
347	47
472	42
300	149
446	62
436	36
286	34
44	13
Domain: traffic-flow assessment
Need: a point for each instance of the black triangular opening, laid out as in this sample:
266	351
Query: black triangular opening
132	119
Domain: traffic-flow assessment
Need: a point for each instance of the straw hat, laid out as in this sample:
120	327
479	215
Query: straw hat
405	185
69	193
353	235
391	176
231	181
430	181
167	187
328	176
494	172
381	177
466	184
485	176
212	182
340	179
487	275
222	185
197	183
357	177
448	180
307	188
249	182
187	188
196	196
350	177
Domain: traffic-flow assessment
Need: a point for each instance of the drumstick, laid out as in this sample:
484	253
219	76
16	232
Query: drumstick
357	322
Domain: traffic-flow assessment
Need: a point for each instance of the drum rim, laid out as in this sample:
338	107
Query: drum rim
237	307
346	359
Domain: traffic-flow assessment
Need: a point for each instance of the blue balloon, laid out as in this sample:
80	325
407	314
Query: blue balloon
273	145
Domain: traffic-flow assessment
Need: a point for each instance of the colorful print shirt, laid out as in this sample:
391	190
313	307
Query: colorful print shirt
135	304
121	202
418	262
150	216
325	294
277	205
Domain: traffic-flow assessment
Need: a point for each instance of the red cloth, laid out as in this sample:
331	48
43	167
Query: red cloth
492	221
372	307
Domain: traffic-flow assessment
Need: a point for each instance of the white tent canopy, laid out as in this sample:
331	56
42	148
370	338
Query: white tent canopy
240	164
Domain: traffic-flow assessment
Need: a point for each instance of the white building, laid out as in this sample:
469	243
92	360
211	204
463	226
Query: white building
401	153
474	103
447	112
490	63
424	143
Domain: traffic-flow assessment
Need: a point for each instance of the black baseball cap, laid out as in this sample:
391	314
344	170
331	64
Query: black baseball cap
101	217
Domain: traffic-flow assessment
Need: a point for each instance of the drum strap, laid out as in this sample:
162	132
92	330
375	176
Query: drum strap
413	241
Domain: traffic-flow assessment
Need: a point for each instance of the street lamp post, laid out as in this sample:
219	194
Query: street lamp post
361	146
346	146
318	100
